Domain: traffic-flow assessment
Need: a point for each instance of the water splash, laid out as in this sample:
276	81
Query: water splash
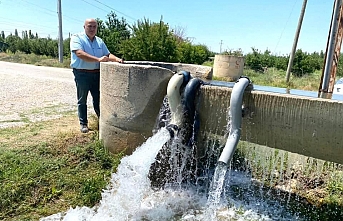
129	196
216	189
128	187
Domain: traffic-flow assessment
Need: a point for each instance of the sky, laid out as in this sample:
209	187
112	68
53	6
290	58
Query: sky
219	24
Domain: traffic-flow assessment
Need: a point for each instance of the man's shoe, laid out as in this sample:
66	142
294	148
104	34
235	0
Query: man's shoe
84	128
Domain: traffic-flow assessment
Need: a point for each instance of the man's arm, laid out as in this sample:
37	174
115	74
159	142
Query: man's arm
89	58
114	58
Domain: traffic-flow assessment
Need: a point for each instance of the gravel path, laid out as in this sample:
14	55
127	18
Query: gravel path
31	93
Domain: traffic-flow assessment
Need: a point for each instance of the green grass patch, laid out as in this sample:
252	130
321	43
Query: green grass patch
45	173
277	78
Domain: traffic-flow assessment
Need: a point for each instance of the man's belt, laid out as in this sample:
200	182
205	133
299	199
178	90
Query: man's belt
89	70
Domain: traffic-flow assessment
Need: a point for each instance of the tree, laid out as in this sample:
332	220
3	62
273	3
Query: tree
66	47
12	42
254	60
303	64
23	43
192	54
113	31
150	42
281	62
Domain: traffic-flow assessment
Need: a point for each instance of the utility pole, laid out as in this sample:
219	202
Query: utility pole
294	48
333	49
220	50
60	33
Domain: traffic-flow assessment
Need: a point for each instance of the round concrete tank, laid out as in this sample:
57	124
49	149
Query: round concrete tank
229	67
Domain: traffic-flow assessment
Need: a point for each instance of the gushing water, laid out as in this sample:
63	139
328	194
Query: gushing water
128	187
216	189
129	196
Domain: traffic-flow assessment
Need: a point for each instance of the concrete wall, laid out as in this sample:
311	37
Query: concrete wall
132	94
304	125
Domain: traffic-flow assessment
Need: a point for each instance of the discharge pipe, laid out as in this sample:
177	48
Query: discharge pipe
191	121
235	113
175	88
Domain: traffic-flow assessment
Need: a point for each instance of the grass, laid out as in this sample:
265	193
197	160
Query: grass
49	166
41	60
277	78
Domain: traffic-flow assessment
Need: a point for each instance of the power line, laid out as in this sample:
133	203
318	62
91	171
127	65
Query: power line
295	42
95	6
22	24
277	44
49	10
116	10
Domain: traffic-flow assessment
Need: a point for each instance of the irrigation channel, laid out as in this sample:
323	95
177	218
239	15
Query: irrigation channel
157	182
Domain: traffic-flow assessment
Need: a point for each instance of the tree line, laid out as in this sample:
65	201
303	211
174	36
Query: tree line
156	41
304	63
144	41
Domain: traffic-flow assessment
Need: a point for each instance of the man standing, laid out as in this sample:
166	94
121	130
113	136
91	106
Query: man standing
87	51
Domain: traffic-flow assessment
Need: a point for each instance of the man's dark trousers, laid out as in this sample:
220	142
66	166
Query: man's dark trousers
87	82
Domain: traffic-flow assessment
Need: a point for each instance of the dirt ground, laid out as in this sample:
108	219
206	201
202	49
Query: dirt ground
31	93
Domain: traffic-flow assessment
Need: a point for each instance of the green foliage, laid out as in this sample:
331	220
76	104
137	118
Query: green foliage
3	45
304	63
39	60
150	42
281	62
237	52
340	66
192	54
66	48
32	44
113	31
12	42
145	41
277	78
255	61
34	177
259	62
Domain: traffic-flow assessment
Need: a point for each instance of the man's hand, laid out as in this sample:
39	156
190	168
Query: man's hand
104	59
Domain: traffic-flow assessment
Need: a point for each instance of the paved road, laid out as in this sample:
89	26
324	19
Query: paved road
30	93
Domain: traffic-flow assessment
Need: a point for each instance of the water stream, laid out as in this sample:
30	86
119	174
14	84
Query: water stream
129	195
216	190
128	187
